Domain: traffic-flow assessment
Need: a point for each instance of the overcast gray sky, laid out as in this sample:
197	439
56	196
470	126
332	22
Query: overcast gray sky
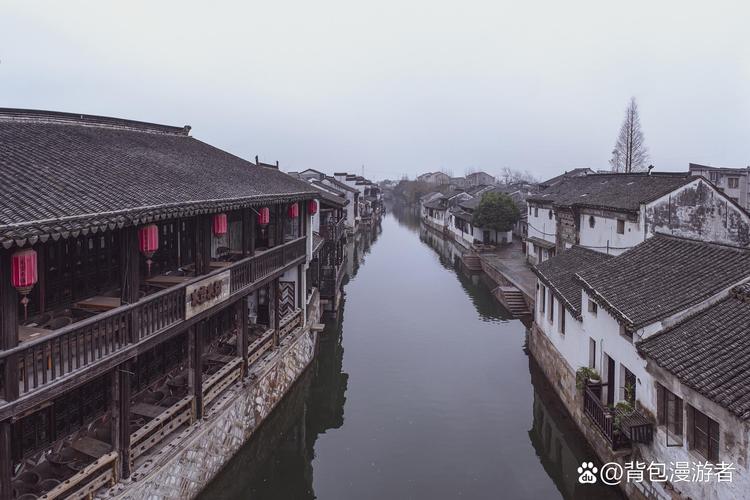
401	87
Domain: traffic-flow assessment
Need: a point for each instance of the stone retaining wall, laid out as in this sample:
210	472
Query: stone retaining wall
563	378
182	468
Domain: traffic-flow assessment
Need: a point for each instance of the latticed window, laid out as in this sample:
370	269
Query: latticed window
704	434
669	414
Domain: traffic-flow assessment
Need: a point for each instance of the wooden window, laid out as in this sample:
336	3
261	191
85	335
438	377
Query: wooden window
561	316
620	226
703	434
629	383
551	308
542	298
550	214
592	353
536	211
734	182
669	414
592	221
593	307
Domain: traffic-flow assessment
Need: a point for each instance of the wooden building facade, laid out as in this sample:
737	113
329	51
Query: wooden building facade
141	271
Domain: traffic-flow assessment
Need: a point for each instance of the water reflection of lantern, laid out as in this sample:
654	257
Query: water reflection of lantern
264	216
312	207
23	275
148	242
220	224
293	210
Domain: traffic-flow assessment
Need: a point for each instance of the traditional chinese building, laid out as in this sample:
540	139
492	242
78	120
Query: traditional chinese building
142	272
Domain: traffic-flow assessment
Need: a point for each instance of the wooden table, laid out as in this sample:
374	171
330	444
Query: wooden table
99	303
168	279
27	333
147	410
91	447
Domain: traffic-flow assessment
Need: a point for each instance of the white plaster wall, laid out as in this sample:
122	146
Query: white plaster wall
605	329
542	226
574	345
604	234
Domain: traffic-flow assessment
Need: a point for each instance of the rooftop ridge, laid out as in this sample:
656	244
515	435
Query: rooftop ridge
695	241
63	118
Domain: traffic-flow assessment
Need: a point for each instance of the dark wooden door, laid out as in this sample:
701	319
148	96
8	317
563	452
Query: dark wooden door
610	381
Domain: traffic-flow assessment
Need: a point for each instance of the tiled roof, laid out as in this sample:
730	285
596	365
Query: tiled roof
438	203
340	185
460	214
710	353
576	172
559	271
64	173
623	192
663	275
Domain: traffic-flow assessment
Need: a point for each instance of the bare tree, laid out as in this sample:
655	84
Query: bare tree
630	153
511	176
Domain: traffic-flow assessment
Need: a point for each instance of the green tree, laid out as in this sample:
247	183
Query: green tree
496	211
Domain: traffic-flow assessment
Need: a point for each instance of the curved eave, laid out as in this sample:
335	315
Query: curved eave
31	232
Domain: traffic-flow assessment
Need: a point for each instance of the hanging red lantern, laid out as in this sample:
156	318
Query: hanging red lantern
220	224
293	210
264	216
312	207
148	242
23	275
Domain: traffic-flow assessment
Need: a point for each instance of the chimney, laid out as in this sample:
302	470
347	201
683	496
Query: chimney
650	167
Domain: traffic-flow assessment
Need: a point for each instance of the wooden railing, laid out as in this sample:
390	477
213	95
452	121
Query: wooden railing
333	232
603	418
290	322
103	472
82	344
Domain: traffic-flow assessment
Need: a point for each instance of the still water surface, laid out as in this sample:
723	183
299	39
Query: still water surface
422	389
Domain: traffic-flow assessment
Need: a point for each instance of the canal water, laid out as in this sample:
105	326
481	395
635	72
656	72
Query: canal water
422	389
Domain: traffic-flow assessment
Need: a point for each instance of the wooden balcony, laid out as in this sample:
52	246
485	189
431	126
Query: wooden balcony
333	232
97	343
620	429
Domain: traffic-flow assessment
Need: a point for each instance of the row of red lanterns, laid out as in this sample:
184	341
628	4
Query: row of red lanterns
24	262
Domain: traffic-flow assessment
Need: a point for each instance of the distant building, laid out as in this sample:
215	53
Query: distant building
611	213
478	178
734	182
435	178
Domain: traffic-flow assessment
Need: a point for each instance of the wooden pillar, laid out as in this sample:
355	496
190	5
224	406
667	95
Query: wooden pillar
6	461
8	327
281	218
243	333
245	228
253	231
130	265
120	408
195	338
276	311
202	244
300	270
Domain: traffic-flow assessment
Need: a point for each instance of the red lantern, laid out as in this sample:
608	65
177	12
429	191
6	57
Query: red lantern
312	207
23	275
293	210
220	224
148	242
264	216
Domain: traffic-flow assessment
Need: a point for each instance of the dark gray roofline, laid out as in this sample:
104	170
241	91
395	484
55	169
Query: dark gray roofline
62	118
